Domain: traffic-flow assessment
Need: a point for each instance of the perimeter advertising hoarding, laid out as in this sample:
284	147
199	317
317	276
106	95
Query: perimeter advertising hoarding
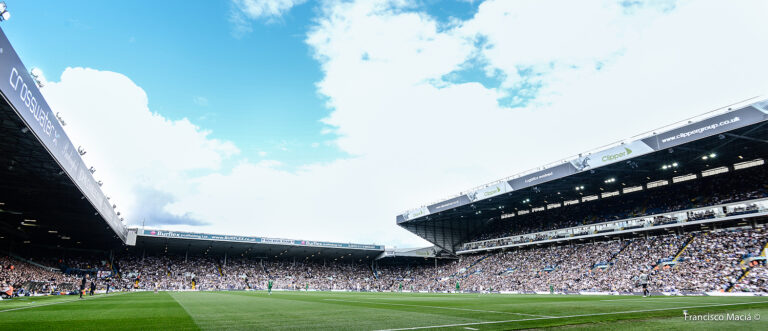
255	240
20	91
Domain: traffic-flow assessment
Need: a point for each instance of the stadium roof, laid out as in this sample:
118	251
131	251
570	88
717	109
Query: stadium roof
47	194
735	134
180	242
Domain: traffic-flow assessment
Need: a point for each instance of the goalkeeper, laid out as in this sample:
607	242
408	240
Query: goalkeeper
269	287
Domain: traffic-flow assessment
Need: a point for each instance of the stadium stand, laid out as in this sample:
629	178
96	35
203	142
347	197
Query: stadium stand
731	259
748	185
686	204
19	278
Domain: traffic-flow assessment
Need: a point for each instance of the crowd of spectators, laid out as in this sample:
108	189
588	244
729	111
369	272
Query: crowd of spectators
18	278
755	281
205	273
712	261
727	259
701	262
707	191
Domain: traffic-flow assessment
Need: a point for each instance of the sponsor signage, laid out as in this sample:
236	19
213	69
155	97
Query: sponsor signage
490	191
199	236
611	155
449	204
413	213
21	92
762	105
481	194
260	240
543	176
709	127
755	113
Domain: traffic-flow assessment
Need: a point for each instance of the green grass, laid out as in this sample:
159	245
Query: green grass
372	311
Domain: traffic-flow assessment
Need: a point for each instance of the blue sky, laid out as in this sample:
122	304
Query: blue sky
256	89
325	119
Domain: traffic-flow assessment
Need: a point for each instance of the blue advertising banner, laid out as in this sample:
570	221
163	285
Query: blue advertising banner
20	90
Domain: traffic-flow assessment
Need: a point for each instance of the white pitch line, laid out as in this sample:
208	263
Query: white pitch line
468	328
58	302
569	316
438	307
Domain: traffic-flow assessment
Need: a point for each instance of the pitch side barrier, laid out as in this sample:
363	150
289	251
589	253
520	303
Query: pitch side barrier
722	120
20	91
702	215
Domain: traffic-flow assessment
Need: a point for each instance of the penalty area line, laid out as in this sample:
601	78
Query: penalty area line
569	316
438	307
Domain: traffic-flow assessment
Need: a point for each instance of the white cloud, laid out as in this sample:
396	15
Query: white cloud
200	101
132	148
415	137
256	9
244	11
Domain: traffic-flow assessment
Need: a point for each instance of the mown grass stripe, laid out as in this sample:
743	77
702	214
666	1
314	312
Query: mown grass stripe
565	317
437	307
59	302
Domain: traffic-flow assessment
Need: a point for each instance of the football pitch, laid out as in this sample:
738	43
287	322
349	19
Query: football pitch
377	311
